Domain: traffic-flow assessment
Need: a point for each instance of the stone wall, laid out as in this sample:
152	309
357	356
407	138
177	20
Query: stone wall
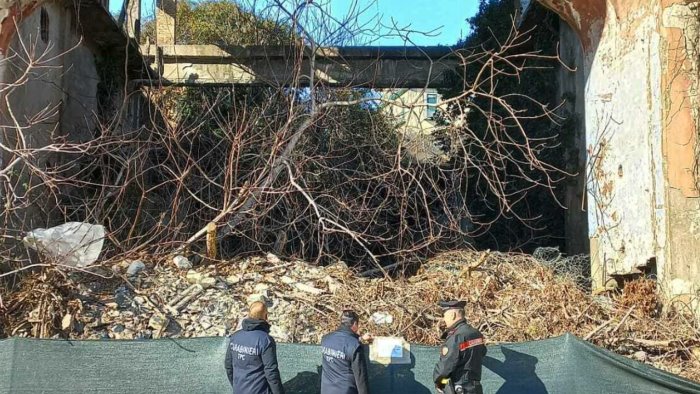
55	98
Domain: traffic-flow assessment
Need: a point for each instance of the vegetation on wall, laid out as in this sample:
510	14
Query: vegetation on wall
221	22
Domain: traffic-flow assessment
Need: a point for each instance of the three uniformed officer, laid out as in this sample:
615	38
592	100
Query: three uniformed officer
459	368
251	356
344	369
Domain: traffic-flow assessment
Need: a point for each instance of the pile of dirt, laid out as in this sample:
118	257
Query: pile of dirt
511	298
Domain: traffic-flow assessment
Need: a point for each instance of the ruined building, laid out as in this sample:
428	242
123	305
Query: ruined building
636	94
636	205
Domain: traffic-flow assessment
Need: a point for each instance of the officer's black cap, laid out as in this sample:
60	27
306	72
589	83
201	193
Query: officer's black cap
452	304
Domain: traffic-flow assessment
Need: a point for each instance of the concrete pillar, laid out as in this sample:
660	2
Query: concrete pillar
627	200
680	44
641	110
132	24
571	86
680	28
166	19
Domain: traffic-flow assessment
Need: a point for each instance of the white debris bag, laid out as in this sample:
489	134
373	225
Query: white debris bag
74	243
381	318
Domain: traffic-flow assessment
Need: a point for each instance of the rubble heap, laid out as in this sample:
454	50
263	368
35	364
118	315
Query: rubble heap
512	298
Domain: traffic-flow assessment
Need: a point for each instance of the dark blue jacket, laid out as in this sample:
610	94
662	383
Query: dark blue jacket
344	367
251	360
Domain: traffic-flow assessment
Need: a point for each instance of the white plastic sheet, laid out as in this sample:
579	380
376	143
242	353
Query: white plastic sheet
381	318
75	244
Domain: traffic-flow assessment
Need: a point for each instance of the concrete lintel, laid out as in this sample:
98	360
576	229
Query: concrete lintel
381	67
375	52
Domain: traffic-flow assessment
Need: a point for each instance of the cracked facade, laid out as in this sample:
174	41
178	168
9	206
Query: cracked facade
641	122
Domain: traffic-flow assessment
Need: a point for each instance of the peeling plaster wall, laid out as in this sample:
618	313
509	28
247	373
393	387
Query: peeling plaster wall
684	243
67	78
64	87
680	22
11	14
586	17
681	32
12	11
642	110
626	201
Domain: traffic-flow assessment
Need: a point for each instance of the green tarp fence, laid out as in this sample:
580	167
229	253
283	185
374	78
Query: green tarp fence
563	364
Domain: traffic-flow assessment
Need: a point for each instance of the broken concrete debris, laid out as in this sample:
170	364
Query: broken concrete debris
194	277
207	282
182	262
135	268
67	322
262	297
272	259
640	356
157	322
307	288
515	298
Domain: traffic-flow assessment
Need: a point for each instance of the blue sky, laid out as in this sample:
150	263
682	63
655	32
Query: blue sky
446	18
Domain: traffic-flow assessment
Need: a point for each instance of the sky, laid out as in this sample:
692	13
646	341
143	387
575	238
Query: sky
445	19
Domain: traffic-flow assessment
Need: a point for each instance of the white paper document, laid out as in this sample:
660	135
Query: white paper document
390	350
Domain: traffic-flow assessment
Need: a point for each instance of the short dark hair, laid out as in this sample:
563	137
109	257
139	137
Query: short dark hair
349	318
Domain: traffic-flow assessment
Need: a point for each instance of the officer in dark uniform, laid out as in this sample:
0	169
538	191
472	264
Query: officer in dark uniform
251	356
459	368
344	369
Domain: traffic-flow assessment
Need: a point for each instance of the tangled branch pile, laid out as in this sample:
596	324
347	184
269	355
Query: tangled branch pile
297	167
512	298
